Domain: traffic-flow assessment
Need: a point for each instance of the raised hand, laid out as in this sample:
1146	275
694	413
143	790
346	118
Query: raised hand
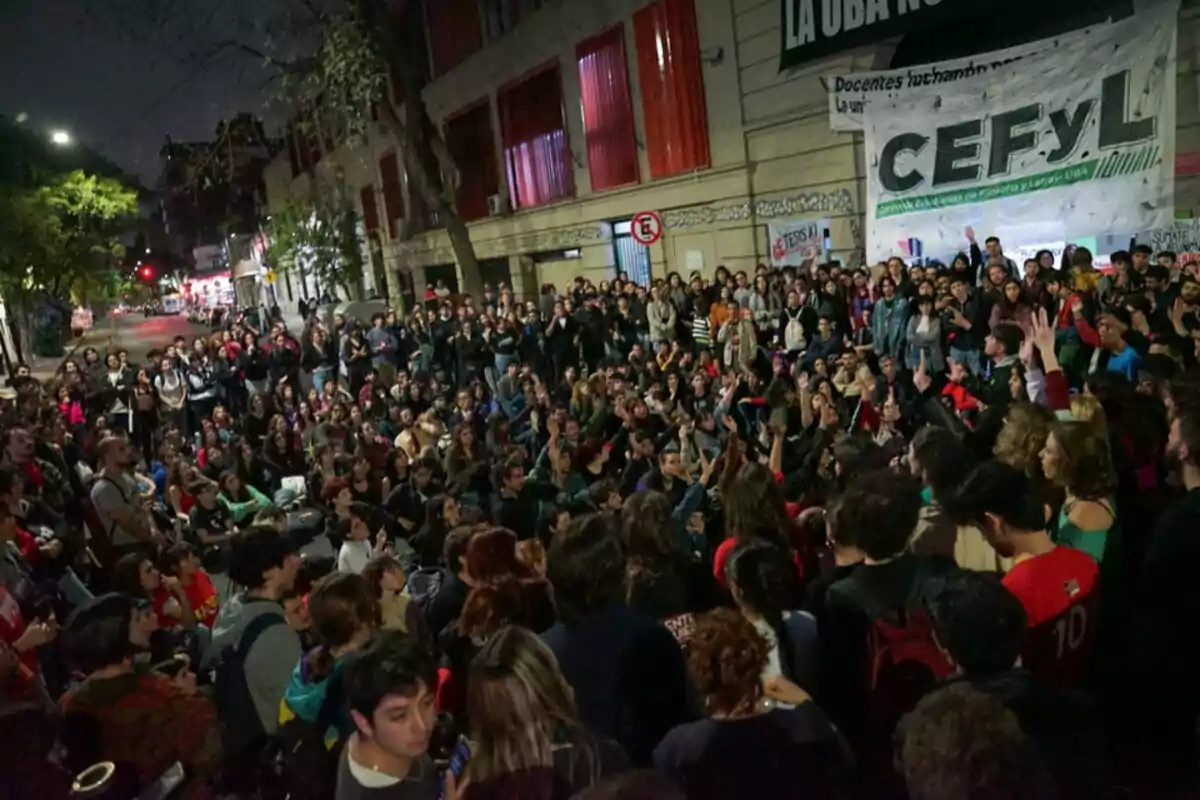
921	378
1041	332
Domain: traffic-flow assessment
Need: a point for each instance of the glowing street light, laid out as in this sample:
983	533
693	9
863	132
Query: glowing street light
60	138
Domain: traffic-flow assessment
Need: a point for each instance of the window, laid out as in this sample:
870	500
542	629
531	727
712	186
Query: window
607	110
454	32
370	210
668	57
501	16
393	196
471	142
536	156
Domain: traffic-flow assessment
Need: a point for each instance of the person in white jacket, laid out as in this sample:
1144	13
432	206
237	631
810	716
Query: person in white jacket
660	314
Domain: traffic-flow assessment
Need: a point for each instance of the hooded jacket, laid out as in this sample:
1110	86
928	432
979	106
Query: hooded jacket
307	692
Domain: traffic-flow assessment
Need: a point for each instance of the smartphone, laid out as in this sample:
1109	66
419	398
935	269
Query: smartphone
459	757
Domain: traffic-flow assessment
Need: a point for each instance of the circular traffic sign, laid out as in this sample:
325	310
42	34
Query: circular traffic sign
647	227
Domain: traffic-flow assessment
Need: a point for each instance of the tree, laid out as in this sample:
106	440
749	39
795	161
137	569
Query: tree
60	242
319	236
61	237
335	60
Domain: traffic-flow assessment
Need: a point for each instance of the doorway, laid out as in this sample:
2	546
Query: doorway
632	258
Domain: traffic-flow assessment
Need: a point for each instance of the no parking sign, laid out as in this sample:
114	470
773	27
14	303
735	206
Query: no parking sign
646	228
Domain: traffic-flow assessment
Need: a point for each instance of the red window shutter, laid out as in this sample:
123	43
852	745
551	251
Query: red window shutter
454	32
668	56
370	210
471	142
607	110
537	158
393	196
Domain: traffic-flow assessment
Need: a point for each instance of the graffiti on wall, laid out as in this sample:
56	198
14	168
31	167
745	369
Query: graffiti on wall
434	249
839	201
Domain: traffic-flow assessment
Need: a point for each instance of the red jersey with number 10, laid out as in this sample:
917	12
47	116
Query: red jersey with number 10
1059	590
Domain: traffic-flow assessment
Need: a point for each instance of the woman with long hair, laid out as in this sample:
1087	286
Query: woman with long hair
1011	307
504	591
665	578
145	414
763	582
466	462
758	739
526	739
138	577
241	500
1078	461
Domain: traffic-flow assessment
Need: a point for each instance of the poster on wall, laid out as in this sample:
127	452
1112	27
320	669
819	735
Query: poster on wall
851	92
1181	238
1080	140
798	243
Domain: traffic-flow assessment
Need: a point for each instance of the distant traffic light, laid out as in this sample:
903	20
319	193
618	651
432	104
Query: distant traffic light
147	273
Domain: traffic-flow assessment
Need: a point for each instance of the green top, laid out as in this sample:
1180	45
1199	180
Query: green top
1091	542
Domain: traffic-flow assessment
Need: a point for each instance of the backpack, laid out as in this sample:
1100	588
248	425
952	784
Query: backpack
296	763
903	664
793	335
243	732
424	585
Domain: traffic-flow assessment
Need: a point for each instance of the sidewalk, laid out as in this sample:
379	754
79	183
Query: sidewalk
44	367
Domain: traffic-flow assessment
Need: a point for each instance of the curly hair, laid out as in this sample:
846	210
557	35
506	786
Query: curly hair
963	743
1082	461
726	656
1023	437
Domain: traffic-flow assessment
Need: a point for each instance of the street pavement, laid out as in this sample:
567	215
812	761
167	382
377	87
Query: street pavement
133	332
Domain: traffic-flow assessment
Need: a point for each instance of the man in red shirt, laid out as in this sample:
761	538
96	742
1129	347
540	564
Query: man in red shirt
1058	586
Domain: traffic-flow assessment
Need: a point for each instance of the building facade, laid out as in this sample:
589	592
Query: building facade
567	119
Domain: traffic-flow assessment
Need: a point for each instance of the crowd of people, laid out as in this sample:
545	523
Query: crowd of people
822	532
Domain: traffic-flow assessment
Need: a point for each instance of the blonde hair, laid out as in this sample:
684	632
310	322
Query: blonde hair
1021	440
516	699
1087	409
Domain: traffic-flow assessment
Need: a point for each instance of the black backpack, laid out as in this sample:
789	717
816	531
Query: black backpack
296	764
424	585
243	733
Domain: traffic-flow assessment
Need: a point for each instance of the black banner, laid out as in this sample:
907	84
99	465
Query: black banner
816	28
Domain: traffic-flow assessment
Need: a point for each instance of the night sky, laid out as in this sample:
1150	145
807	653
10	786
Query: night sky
121	93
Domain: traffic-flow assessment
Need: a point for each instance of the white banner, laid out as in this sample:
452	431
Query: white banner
850	93
797	243
1078	141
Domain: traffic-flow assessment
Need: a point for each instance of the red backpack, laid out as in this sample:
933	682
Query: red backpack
904	663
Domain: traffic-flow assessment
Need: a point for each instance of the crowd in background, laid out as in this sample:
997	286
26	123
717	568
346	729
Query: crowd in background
821	532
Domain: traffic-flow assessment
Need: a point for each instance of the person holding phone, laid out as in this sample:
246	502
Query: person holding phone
150	720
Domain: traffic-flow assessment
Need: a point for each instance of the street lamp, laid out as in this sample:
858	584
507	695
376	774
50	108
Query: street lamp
60	138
